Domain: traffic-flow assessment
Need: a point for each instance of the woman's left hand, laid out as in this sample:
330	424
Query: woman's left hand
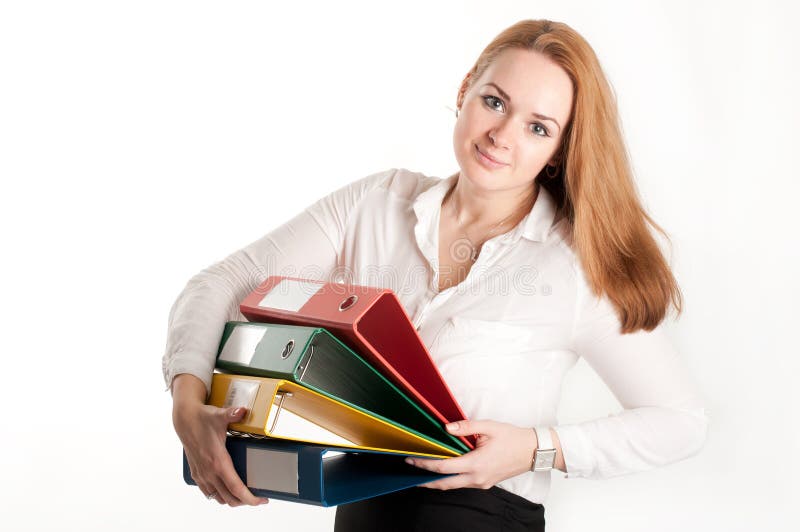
502	451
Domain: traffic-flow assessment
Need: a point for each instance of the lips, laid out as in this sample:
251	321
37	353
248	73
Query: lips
488	160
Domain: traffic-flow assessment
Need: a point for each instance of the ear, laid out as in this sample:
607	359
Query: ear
463	90
557	158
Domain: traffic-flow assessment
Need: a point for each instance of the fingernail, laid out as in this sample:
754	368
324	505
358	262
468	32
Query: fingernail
452	426
264	501
410	461
236	412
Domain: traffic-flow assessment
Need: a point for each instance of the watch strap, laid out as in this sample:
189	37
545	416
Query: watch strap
544	457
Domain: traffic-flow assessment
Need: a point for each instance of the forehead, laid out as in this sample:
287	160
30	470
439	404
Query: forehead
533	81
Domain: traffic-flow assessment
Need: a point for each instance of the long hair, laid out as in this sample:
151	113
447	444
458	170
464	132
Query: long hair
594	185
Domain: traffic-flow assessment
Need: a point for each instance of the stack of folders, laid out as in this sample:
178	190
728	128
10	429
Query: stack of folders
339	389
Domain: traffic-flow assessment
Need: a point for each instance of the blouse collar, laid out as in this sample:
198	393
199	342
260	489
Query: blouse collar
535	226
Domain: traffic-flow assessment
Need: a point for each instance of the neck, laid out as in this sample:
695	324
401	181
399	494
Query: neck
483	208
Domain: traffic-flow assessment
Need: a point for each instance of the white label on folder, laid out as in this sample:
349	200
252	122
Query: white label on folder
290	295
272	470
241	393
241	344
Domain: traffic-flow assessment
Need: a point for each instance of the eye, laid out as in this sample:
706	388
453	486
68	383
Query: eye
489	99
539	129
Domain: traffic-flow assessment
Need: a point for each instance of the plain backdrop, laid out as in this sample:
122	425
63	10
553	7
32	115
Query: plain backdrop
142	141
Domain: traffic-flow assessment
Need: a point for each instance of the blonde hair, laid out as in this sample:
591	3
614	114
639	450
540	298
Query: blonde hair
594	185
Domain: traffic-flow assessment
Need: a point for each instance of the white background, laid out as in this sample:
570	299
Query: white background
142	141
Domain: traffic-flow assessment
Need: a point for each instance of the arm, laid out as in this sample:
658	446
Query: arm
663	420
559	464
503	451
306	246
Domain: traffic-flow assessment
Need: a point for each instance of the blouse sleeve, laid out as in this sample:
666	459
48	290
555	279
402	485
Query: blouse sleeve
306	246
663	420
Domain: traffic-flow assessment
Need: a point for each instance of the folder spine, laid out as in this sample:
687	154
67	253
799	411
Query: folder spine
337	372
314	478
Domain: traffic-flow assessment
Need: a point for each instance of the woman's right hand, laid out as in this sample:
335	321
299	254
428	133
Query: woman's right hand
202	430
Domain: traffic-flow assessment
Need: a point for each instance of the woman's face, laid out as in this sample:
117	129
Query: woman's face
515	114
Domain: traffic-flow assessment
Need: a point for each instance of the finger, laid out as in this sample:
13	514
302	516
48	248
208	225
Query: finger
206	488
236	487
447	466
214	496
222	417
449	483
439	485
214	485
207	491
466	427
224	495
230	415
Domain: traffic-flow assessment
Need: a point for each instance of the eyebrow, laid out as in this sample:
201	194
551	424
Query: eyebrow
537	115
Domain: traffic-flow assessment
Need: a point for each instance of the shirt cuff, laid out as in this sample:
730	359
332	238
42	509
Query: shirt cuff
182	362
576	450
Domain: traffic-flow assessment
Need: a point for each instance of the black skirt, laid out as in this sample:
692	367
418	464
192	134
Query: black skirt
425	509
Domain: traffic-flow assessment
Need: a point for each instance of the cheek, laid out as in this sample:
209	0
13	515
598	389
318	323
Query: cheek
465	122
462	138
535	157
458	141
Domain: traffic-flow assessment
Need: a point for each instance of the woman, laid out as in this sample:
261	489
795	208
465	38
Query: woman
535	253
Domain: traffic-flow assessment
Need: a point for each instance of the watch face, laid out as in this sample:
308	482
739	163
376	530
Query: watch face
545	460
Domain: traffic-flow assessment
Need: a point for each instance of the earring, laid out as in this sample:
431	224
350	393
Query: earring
547	171
457	110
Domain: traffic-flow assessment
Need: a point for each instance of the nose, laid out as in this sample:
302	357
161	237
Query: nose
501	134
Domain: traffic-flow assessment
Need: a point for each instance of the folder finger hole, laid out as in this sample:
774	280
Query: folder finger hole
287	350
347	303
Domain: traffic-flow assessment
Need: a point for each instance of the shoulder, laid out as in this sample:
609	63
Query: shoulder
374	190
395	183
560	240
400	182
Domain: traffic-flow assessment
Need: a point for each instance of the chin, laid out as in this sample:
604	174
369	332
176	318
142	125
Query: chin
484	178
481	179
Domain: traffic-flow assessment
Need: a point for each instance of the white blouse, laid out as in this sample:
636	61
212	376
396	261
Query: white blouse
503	339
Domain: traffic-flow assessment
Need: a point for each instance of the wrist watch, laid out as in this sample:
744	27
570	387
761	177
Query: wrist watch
544	457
